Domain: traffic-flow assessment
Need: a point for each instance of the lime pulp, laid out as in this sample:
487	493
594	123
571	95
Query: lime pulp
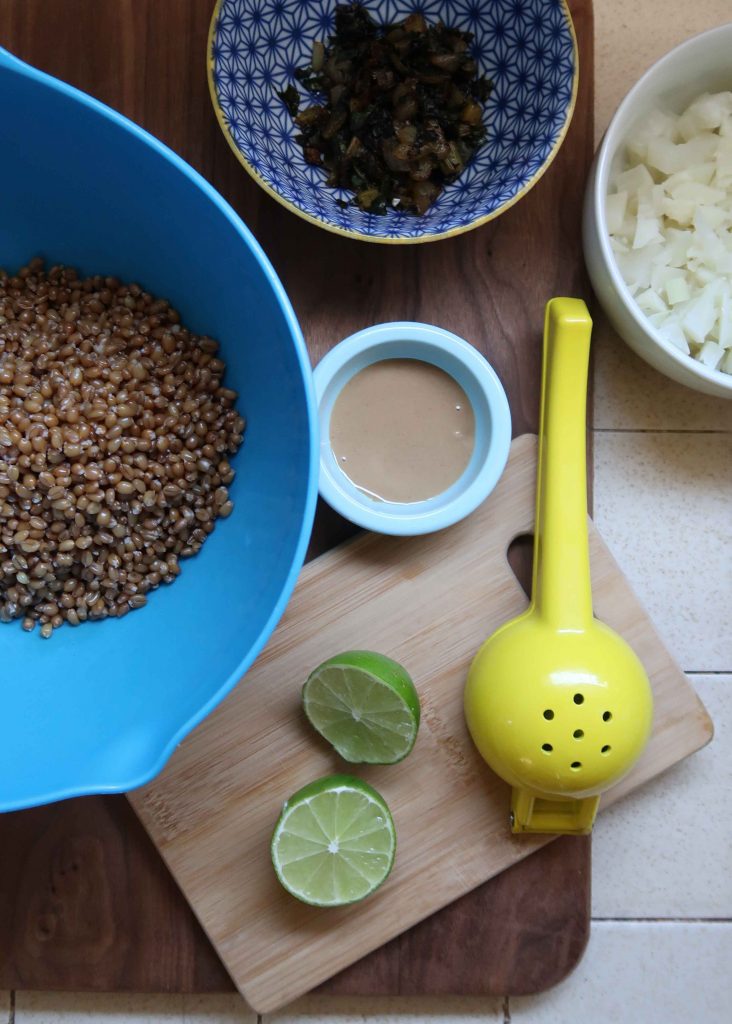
334	842
365	705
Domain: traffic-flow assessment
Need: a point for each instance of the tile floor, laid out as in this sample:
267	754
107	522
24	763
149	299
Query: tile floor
661	944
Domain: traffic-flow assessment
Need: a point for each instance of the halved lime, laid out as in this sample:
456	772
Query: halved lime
365	705
334	842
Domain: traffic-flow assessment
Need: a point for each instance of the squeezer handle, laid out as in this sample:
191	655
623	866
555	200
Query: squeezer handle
561	590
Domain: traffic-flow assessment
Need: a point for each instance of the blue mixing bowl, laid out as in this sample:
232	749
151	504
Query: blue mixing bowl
99	709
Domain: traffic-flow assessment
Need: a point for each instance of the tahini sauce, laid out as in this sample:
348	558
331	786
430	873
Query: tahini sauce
402	430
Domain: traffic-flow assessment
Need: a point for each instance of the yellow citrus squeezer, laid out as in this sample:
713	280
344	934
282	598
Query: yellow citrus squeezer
556	702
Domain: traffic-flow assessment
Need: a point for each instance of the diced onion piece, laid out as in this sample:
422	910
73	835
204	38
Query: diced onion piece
647	227
662	274
677	290
703	173
711	216
636	266
615	211
657	319
680	212
677	246
657	125
673	333
725	321
699	318
664	156
723	163
711	354
696	193
618	245
651	302
706	113
637	178
656	199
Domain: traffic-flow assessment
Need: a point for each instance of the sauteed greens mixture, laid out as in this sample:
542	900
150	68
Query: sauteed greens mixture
398	111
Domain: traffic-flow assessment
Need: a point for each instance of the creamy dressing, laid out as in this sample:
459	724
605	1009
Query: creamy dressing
402	430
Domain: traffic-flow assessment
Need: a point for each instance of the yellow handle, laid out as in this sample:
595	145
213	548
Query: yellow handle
562	591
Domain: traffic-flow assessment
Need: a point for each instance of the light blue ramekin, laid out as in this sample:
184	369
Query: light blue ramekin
485	392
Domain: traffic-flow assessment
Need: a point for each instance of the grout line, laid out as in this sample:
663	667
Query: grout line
11	1016
659	430
667	920
706	672
506	1010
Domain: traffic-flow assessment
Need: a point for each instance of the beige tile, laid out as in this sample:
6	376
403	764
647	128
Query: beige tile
630	36
73	1007
401	1010
630	395
666	850
662	504
126	1008
641	973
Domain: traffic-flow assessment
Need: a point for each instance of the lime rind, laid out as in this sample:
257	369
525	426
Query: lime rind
334	842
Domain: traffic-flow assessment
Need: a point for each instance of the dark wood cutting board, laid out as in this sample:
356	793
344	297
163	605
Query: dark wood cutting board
85	901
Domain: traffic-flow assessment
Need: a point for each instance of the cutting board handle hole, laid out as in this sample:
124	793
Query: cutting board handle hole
520	556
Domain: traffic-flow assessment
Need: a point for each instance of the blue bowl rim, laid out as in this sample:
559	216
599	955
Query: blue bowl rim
434	236
375	341
14	64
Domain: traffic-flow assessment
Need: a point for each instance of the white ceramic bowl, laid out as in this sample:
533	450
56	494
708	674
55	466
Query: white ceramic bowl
702	64
492	426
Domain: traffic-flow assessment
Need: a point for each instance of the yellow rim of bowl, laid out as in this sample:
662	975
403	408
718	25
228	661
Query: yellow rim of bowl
379	239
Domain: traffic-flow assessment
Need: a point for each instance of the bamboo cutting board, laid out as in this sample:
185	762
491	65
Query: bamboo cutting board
428	602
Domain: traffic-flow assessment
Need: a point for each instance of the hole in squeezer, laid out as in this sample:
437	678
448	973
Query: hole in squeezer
548	714
547	747
607	715
575	766
578	698
578	734
606	749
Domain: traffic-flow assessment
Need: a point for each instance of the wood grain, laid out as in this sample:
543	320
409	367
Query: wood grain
87	903
429	602
146	58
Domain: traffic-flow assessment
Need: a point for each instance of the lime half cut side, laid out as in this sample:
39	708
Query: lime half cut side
334	842
365	705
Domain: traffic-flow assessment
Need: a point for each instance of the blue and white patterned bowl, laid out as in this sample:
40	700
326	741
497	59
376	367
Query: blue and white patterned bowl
527	47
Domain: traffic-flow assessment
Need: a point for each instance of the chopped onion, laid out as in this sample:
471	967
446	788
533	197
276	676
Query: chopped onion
669	216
